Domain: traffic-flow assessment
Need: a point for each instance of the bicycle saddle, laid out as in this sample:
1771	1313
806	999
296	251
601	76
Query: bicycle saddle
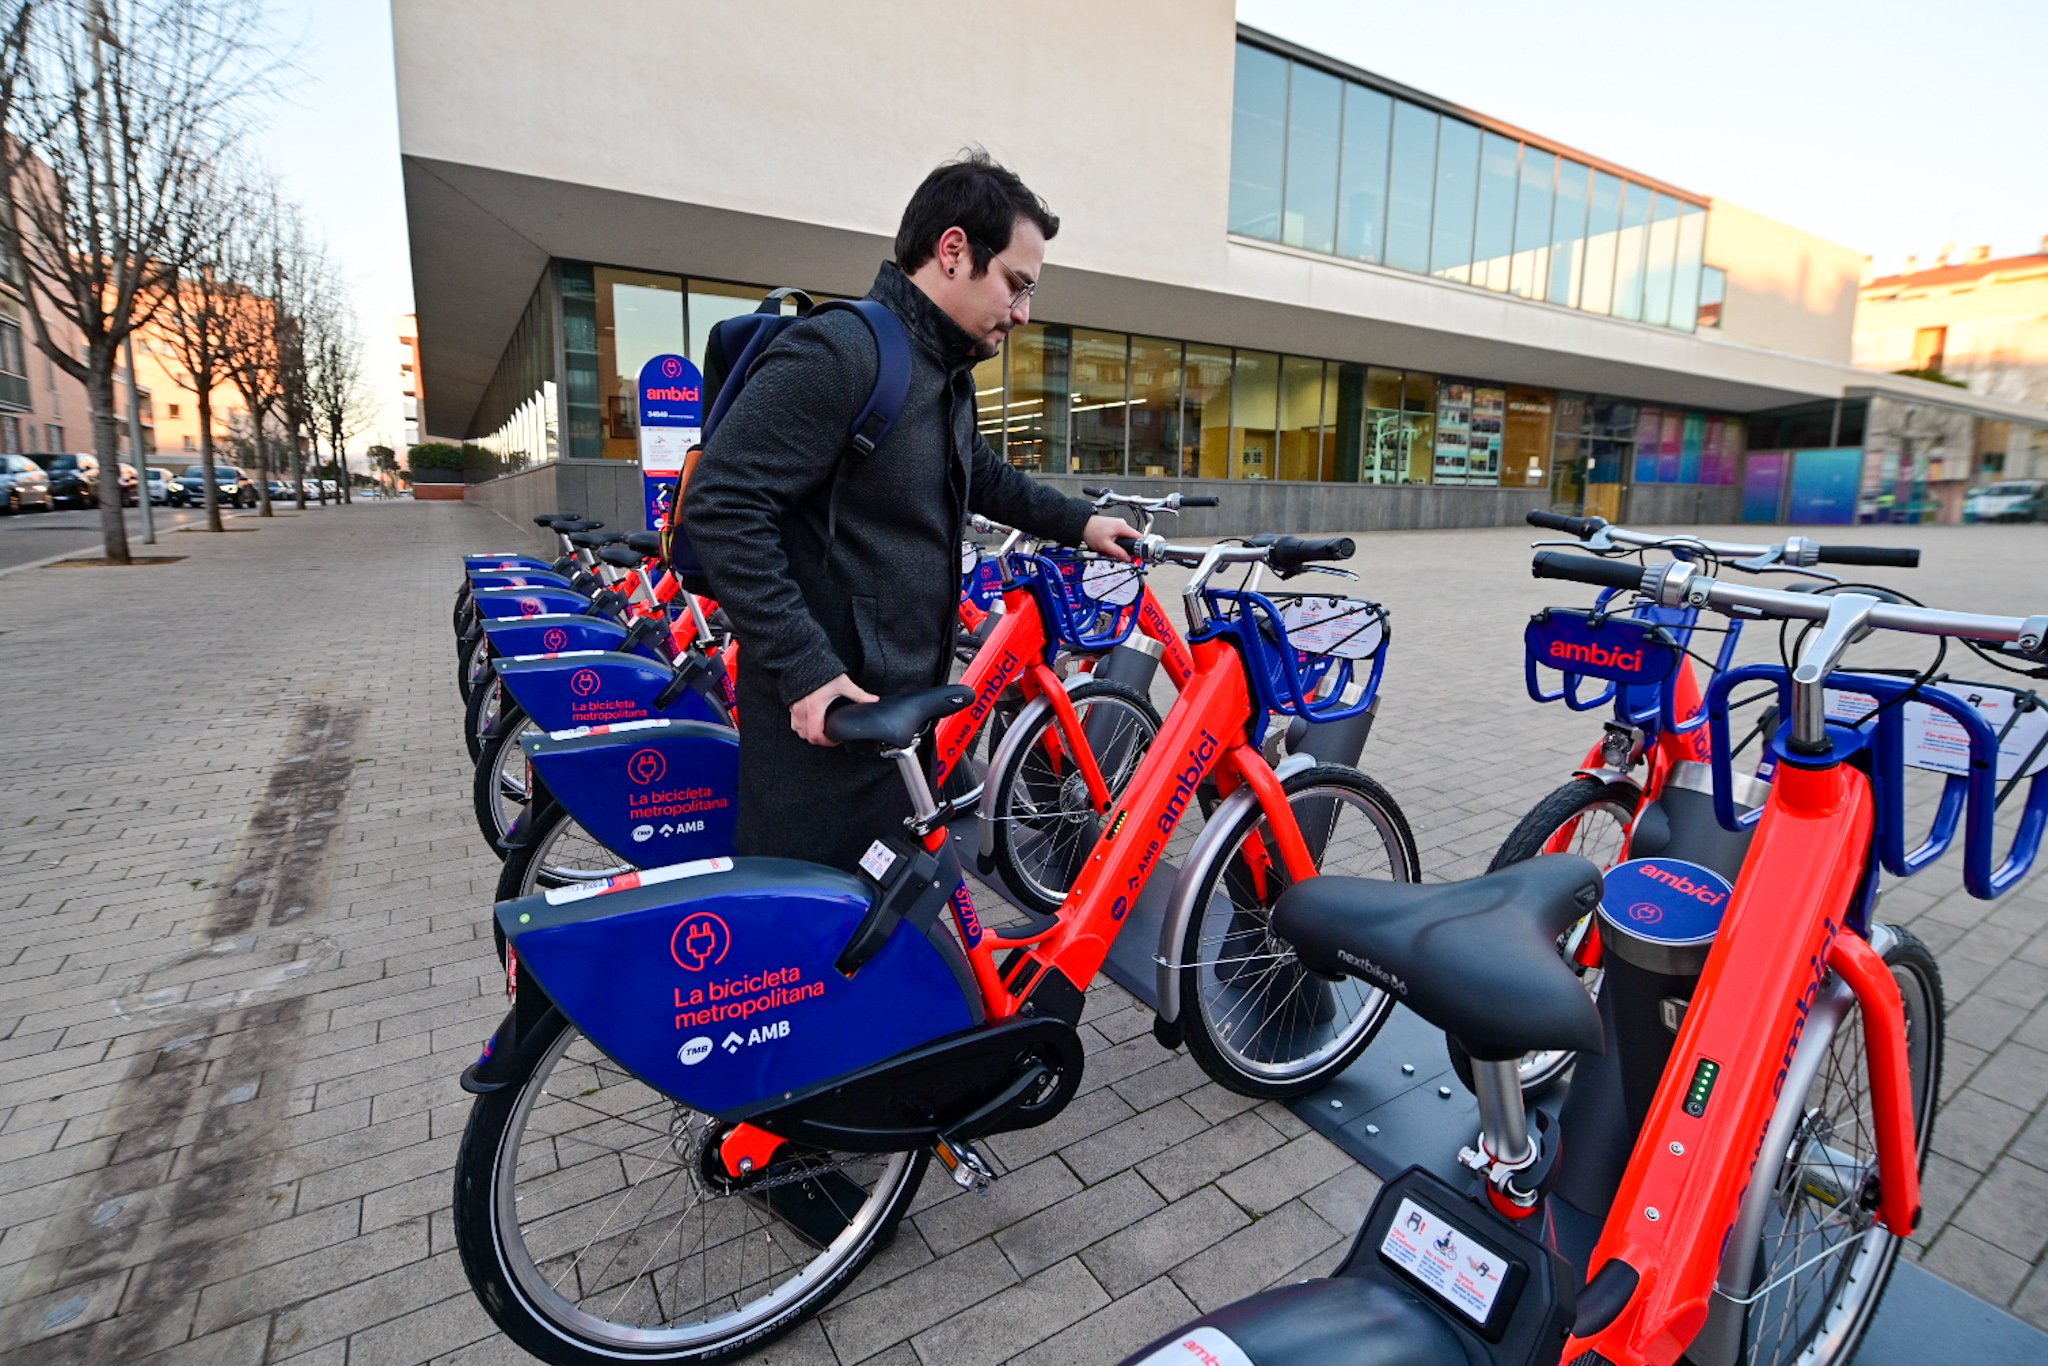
646	542
592	540
1478	958
620	557
893	722
549	519
1341	1321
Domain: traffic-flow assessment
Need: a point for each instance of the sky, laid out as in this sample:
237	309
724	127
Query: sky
1889	127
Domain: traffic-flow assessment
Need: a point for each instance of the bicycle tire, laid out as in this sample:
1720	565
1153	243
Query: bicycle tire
1039	812
506	1272
1540	832
1216	959
479	716
498	787
1788	1174
473	668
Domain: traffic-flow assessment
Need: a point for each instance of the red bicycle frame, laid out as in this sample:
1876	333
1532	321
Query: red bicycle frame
1780	938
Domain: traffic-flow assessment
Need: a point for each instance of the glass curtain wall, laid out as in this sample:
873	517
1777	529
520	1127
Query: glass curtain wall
1034	416
1330	164
1301	419
1155	411
1098	402
1255	413
517	411
639	317
1205	441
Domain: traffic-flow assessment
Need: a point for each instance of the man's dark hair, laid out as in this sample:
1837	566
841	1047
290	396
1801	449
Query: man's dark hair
979	196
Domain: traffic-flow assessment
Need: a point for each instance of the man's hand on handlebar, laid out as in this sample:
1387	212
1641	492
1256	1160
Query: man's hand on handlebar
807	717
1102	534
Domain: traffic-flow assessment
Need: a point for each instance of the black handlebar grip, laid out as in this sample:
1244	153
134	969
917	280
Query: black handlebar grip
1883	556
1092	491
1129	545
1562	564
1291	553
1581	527
1200	500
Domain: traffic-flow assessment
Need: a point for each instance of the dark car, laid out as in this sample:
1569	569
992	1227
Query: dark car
232	487
74	480
23	485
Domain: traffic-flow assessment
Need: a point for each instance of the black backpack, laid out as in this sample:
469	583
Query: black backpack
736	346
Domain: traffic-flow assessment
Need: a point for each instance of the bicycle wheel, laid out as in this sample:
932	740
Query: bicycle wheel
499	791
474	668
561	852
597	1224
480	714
1256	1020
1817	1260
1045	823
1587	817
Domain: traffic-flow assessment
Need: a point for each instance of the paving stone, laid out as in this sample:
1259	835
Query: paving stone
1974	1128
1117	1329
1205	1156
1121	1145
1163	1240
1252	1256
965	1217
896	1312
2005	1209
1988	1272
1290	1170
990	1331
1038	1240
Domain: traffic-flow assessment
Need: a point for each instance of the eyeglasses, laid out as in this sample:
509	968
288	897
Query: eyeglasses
1026	288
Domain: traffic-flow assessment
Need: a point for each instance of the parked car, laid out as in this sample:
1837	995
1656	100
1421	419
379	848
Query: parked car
23	485
280	491
331	489
74	479
159	485
2012	500
232	487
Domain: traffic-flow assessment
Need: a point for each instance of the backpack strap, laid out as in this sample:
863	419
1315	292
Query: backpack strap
871	427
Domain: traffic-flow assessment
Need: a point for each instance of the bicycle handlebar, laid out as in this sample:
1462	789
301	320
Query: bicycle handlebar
1889	557
1562	564
1291	554
1581	527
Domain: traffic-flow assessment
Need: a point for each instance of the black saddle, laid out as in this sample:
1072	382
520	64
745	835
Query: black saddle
550	519
646	542
894	722
620	557
1478	959
593	540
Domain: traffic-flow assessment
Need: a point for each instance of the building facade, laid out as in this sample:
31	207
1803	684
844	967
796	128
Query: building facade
1341	302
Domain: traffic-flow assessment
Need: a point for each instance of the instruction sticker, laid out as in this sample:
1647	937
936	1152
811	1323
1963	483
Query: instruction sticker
1458	1268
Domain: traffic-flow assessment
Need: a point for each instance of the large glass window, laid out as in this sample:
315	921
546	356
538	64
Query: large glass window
990	377
582	399
711	302
1713	293
1457	190
1303	448
1526	438
1205	448
1362	183
1254	413
1098	401
1349	424
1493	237
1258	146
1314	109
1034	416
1418	423
1662	252
1532	224
1155	414
1386	453
1603	233
1410	186
639	317
1685	278
1568	234
1453	432
1631	250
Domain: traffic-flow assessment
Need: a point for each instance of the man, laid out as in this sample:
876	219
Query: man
868	608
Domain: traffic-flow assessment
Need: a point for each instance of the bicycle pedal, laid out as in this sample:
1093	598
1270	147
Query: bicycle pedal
965	1164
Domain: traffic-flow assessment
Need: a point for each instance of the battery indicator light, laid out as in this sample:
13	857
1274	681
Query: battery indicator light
1701	1086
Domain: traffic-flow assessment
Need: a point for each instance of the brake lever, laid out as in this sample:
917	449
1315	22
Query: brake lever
1337	570
1793	569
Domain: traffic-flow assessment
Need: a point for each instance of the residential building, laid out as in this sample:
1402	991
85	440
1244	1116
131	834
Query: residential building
409	378
1335	300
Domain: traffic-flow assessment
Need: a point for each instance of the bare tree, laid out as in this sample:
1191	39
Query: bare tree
195	333
113	110
335	382
253	257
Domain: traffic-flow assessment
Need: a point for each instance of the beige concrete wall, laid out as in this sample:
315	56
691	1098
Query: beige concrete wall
1787	290
1997	329
801	110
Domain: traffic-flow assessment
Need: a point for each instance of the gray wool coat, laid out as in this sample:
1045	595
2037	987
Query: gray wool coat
879	602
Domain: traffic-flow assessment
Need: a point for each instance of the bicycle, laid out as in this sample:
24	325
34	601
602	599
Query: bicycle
1732	1182
762	1056
1642	788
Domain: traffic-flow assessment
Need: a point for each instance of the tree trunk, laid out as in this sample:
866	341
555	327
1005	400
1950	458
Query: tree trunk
262	466
106	443
206	459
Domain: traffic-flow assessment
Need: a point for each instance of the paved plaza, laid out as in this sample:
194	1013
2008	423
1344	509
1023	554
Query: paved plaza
244	956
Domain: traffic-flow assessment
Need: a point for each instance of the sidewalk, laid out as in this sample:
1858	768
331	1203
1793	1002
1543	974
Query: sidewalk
244	957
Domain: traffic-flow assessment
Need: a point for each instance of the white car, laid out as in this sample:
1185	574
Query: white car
159	486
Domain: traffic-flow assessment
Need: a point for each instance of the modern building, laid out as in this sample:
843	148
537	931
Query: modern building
1338	301
409	377
1978	321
